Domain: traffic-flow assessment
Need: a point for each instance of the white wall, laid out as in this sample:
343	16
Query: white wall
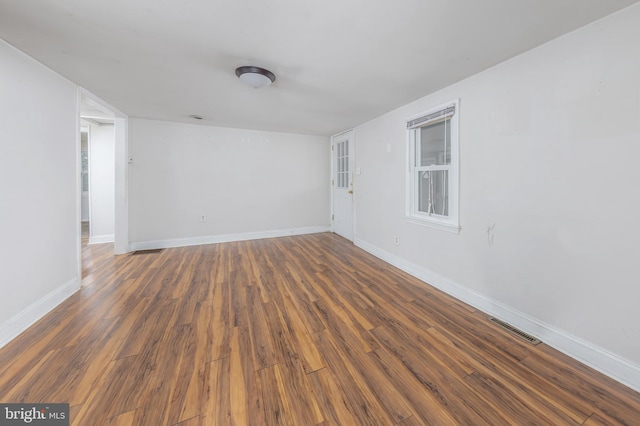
102	183
121	225
247	183
39	190
549	148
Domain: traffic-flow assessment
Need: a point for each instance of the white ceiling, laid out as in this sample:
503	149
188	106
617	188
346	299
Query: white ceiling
338	62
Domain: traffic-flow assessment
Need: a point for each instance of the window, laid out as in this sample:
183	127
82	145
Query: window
432	197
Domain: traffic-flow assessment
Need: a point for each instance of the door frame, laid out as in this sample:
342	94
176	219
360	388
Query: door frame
352	161
122	161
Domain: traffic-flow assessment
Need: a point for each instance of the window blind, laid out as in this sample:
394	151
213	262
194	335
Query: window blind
432	117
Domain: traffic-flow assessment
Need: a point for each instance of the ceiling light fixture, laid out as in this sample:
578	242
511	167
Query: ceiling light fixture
255	77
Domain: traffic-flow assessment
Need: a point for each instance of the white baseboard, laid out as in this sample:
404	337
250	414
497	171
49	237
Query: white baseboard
23	320
101	239
214	239
606	362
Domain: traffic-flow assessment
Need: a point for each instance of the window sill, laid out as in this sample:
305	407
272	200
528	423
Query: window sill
443	226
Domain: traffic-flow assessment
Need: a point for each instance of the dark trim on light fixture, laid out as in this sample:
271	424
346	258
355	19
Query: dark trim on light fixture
256	70
196	117
255	77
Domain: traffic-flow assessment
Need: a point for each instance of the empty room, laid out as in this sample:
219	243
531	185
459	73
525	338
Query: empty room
319	213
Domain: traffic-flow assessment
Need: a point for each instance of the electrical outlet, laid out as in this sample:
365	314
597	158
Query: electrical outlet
203	217
396	240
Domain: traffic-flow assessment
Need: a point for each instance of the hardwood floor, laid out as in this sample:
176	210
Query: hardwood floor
304	330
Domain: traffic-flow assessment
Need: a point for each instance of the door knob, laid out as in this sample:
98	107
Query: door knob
351	191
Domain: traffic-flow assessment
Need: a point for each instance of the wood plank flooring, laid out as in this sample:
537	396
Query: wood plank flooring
304	330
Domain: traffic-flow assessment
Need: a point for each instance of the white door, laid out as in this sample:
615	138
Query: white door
342	153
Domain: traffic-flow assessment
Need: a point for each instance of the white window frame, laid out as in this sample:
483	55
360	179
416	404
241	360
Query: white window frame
451	222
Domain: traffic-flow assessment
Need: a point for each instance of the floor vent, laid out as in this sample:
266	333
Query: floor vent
150	251
511	329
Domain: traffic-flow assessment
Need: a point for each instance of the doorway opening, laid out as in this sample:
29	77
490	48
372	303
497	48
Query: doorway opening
84	183
97	192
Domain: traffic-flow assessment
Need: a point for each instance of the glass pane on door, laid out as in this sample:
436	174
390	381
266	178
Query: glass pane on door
342	164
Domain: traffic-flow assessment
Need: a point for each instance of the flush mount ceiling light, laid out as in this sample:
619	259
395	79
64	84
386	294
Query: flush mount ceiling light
255	77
